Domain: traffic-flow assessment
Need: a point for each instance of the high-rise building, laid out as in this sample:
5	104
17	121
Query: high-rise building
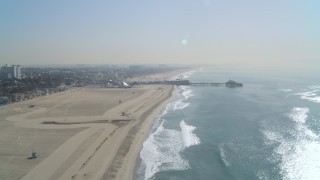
17	71
10	72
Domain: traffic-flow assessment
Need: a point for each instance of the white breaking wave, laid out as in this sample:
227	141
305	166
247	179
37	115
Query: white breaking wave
161	152
272	137
187	92
223	155
189	138
299	114
303	162
179	105
184	93
299	156
311	95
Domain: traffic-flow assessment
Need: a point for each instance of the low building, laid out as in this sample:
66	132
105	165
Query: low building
231	83
4	100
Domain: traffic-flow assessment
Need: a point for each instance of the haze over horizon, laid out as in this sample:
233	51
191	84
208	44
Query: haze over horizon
263	33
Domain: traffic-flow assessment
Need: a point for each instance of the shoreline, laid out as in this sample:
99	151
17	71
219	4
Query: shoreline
151	125
129	170
146	127
136	144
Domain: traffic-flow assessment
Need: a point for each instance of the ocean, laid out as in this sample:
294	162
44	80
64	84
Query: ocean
267	129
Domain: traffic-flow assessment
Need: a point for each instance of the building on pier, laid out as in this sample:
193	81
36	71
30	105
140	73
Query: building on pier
231	83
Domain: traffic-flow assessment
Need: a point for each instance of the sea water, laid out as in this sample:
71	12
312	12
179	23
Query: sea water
267	129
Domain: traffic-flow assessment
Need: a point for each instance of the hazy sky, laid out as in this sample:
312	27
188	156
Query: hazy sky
160	31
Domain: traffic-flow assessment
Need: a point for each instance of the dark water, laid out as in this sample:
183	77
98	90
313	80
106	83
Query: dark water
268	129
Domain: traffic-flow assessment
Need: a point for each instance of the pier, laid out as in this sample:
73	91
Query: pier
229	83
207	84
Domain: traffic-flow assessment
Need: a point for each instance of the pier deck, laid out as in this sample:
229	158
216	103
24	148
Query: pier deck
229	83
207	84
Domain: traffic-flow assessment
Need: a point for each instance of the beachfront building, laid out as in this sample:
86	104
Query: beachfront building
10	72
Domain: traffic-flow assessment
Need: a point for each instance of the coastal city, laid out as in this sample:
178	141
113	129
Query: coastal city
19	83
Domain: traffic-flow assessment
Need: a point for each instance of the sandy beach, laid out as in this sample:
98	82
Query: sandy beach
83	133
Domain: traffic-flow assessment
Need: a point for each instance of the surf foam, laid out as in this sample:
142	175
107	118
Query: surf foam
299	114
189	138
186	92
312	94
183	94
161	152
298	155
180	105
223	156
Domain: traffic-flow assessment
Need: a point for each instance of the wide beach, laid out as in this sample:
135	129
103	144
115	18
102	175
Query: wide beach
82	133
